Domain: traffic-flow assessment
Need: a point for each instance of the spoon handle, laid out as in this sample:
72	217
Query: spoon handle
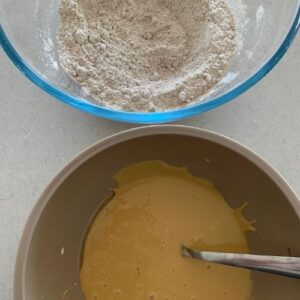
279	265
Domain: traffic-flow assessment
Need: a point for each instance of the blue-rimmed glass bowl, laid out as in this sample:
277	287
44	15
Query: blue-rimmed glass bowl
28	36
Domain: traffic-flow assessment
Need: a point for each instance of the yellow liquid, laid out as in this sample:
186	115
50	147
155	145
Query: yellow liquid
133	249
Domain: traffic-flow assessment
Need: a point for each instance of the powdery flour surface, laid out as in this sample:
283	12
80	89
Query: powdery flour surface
141	55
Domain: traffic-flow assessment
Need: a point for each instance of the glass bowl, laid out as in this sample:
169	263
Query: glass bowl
265	30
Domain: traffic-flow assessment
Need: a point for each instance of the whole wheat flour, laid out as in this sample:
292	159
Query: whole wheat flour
141	55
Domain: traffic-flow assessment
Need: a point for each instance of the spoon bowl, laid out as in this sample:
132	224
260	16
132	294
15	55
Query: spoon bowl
49	256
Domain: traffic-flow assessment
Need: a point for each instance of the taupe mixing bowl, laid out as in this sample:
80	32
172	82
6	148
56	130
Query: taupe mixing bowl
48	261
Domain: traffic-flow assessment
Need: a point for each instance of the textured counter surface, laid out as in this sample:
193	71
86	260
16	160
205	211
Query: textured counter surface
39	135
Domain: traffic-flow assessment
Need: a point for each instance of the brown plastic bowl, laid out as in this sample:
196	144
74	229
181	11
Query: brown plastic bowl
49	256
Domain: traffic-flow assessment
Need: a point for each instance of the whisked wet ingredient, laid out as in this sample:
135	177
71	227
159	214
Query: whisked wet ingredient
132	250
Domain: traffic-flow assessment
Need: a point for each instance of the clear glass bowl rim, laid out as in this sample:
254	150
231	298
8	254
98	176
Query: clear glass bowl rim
153	117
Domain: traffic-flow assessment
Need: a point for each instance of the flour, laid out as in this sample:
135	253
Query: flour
141	55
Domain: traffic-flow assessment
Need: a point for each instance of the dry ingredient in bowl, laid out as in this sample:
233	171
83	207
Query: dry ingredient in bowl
141	55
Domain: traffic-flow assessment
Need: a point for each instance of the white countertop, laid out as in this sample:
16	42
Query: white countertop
39	135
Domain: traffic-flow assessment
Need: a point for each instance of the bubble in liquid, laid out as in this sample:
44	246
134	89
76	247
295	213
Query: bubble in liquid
117	293
138	269
152	296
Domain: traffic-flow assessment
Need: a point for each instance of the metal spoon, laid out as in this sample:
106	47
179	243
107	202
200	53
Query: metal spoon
280	265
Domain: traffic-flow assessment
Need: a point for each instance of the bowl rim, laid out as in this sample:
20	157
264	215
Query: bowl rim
83	156
153	117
